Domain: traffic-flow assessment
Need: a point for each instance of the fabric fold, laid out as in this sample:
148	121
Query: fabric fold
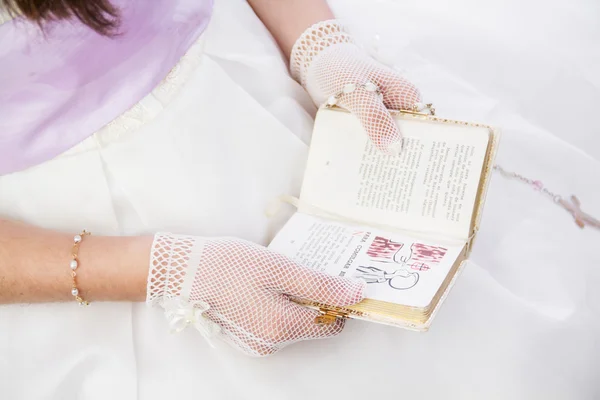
60	86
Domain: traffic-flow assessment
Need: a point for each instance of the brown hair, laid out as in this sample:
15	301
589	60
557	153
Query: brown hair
99	15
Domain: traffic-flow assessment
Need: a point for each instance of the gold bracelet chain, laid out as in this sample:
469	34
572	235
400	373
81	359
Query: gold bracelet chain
77	239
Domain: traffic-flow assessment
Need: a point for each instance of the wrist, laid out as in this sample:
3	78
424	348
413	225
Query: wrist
114	268
172	258
312	42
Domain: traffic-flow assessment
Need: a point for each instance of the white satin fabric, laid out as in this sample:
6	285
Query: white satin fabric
522	321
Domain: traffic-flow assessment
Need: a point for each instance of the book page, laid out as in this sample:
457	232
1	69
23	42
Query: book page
430	187
397	268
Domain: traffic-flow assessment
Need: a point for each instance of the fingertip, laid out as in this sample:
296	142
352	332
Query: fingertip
383	131
337	327
395	148
391	143
361	290
328	330
401	94
353	292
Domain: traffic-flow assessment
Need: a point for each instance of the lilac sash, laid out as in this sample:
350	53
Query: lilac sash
57	90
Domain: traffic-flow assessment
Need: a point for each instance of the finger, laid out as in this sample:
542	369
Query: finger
398	93
287	322
298	281
255	348
300	325
257	335
375	119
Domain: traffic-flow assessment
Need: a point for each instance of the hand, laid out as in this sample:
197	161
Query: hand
245	289
333	69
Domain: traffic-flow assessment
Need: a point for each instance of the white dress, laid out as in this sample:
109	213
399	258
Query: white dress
226	132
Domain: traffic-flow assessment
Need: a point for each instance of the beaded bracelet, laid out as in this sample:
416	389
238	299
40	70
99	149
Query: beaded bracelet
74	264
351	87
376	90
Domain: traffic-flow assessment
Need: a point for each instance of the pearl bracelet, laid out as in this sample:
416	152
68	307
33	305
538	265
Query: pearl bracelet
75	264
351	87
376	90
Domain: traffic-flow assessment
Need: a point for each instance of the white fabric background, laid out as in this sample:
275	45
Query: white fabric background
522	321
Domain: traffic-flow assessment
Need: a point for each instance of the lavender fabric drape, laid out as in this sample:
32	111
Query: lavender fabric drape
60	86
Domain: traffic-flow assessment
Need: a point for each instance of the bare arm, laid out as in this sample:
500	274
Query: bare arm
287	19
34	266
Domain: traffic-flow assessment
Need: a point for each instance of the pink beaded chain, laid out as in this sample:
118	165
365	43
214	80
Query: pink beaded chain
573	205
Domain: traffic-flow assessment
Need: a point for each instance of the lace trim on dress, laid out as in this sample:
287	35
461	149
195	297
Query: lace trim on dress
150	106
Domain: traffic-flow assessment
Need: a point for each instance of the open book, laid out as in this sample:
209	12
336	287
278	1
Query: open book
404	224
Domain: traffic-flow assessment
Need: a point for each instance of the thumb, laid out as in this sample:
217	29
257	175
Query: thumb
375	119
308	284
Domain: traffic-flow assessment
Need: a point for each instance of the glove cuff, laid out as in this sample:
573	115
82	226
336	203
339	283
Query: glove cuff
312	42
174	260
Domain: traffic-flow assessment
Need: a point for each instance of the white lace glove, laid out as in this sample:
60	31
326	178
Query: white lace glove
240	292
334	70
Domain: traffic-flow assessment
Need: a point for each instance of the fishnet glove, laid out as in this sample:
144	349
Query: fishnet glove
333	69
240	291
